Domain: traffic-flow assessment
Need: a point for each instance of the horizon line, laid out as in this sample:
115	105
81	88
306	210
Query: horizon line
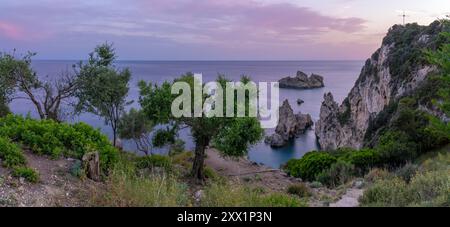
215	60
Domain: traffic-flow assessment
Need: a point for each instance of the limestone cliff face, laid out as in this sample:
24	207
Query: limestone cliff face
394	70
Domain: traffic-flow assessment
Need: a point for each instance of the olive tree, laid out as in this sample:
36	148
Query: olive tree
102	88
230	135
16	74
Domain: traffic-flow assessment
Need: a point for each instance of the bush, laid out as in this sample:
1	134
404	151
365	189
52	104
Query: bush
299	189
425	189
391	192
407	172
28	173
310	165
339	173
396	148
363	160
316	184
56	139
377	174
11	154
224	194
4	109
124	188
152	161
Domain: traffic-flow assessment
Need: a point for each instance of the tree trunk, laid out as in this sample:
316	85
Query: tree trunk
199	158
114	137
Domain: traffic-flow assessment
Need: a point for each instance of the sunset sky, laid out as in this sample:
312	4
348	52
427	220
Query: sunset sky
208	29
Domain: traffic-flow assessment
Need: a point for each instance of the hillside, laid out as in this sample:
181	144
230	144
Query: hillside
399	68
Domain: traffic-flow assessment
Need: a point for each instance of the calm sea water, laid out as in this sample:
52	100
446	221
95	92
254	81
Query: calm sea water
339	77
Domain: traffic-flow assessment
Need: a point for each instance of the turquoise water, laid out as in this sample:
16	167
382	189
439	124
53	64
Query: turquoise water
339	77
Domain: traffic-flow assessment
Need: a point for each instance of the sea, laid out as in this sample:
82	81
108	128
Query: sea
339	78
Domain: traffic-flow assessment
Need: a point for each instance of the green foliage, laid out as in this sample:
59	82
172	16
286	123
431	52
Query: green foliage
77	169
156	101
299	189
396	148
441	58
10	153
407	172
339	173
232	136
55	139
125	188
234	139
177	147
231	195
4	109
406	54
10	69
386	193
310	165
103	89
363	159
426	185
163	137
135	126
28	173
154	160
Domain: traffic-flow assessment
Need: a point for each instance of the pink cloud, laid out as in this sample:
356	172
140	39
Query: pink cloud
11	30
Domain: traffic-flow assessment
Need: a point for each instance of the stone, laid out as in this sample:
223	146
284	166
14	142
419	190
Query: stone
91	165
289	126
300	101
275	140
302	81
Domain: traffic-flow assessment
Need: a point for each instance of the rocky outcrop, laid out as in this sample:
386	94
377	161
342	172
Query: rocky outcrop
302	81
392	72
289	126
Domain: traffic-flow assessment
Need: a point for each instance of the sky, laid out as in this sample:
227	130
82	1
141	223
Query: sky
208	29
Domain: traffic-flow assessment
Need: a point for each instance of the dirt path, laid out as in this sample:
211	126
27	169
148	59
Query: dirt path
349	199
243	170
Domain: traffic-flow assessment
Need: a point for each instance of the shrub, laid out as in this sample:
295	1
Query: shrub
124	188
377	175
299	189
429	187
4	109
339	173
316	184
407	172
225	194
391	192
310	165
28	173
11	154
363	159
210	173
55	139
152	161
396	148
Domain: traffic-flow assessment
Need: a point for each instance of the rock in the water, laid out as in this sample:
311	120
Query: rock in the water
275	140
91	165
302	81
300	101
289	126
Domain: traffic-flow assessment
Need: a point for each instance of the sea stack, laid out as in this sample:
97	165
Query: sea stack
289	126
302	81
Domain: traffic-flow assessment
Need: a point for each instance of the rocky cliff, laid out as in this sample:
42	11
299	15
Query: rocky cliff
396	69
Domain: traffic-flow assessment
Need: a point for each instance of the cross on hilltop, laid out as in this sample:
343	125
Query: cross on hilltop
404	17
